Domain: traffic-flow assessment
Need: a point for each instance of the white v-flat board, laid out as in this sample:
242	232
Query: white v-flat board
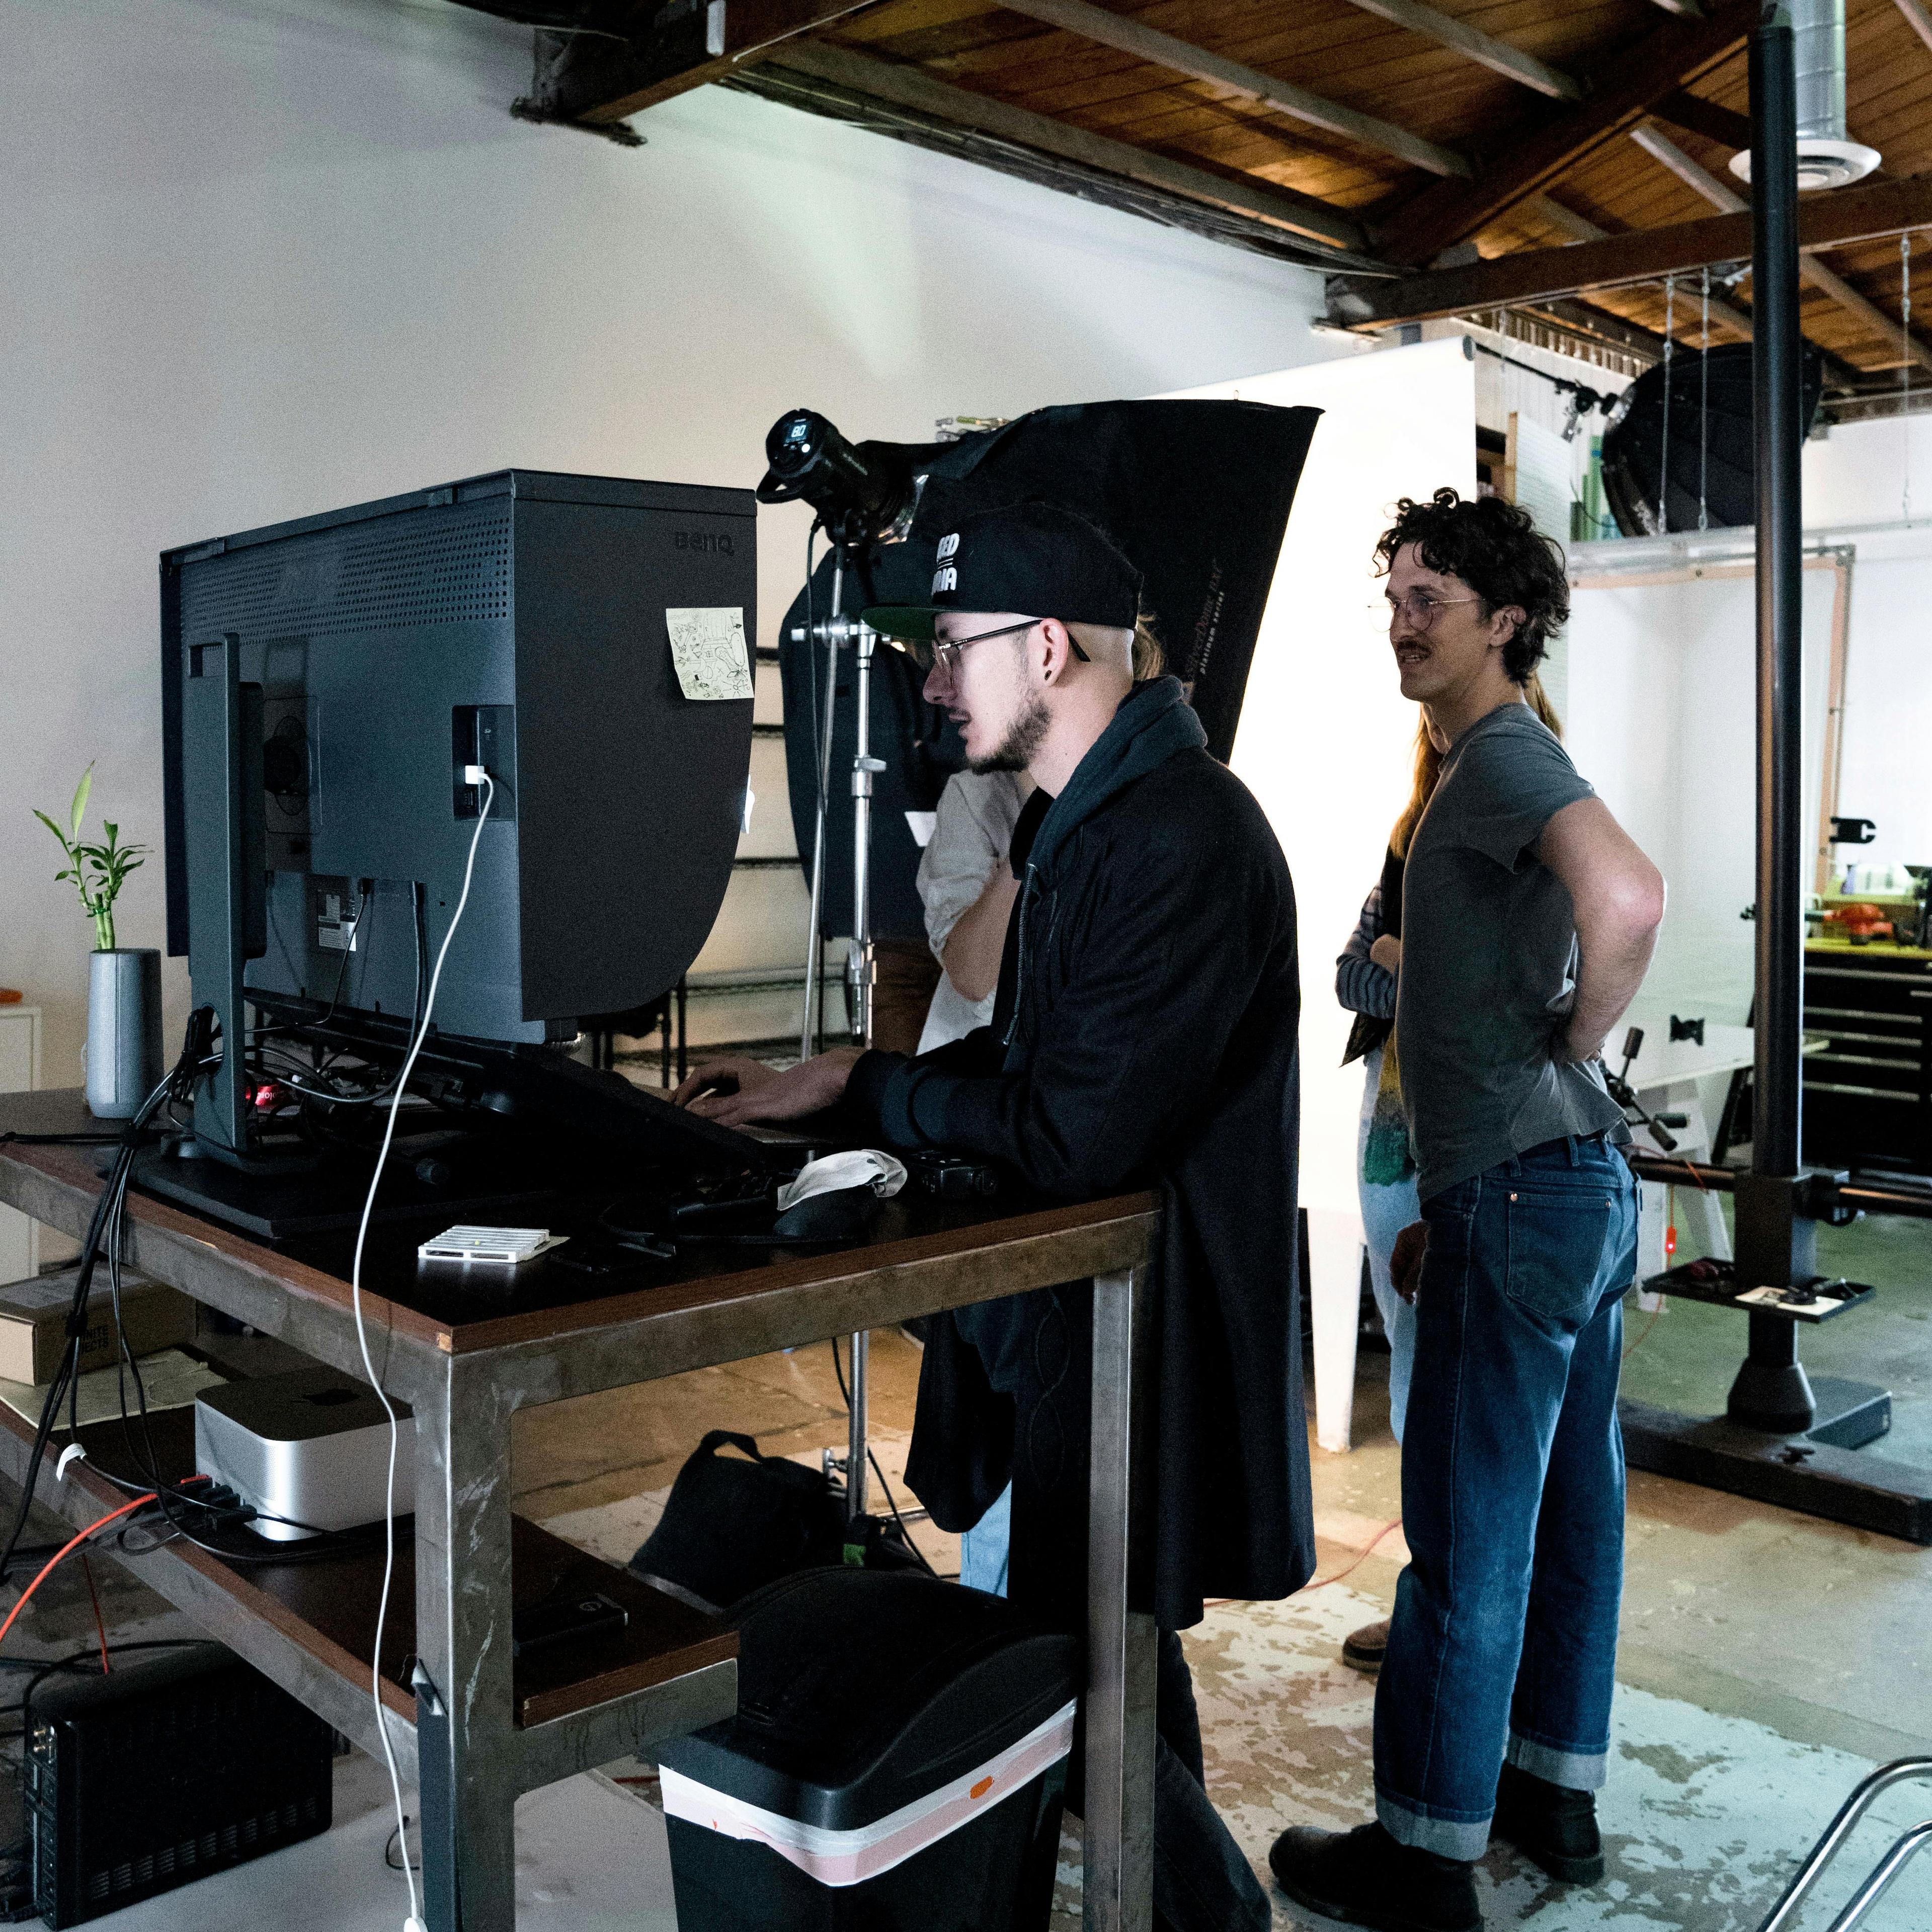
1327	740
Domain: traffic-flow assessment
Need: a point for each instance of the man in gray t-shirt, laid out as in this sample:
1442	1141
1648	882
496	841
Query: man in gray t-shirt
1529	918
1489	960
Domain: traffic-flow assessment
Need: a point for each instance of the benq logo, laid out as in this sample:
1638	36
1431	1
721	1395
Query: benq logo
947	579
705	540
949	546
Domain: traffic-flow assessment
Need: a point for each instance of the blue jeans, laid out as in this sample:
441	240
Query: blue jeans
983	1549
1386	1210
1503	1640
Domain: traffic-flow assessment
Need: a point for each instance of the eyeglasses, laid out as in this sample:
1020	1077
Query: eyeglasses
1421	608
926	652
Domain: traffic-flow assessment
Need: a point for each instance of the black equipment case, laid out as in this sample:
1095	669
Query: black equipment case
170	1768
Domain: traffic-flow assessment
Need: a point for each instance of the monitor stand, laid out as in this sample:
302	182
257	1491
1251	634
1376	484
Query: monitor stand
462	1177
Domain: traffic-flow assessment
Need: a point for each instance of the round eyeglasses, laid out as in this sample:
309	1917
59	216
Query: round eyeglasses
1421	608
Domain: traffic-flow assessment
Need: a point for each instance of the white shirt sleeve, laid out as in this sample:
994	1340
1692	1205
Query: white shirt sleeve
977	812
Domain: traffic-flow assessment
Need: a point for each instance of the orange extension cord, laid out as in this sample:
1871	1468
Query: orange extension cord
48	1568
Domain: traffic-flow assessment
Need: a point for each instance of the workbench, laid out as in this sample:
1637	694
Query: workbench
479	1728
1868	1086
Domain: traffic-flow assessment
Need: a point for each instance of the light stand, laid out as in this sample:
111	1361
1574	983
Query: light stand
861	498
811	1026
836	631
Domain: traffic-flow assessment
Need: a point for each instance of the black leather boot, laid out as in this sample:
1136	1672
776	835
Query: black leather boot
1365	1877
1551	1826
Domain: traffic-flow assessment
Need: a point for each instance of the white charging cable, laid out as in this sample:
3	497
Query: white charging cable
474	775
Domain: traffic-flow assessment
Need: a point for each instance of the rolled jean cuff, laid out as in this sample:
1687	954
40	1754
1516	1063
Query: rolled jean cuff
1575	1770
1447	1837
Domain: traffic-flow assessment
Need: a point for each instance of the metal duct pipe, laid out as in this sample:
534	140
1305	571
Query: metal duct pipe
1818	53
1825	157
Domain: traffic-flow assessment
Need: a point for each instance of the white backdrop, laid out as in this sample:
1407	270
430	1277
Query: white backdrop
1327	737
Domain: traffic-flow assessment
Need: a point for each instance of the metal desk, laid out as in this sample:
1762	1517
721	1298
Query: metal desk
493	1730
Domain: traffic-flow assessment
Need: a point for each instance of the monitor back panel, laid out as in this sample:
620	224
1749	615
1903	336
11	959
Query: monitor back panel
518	620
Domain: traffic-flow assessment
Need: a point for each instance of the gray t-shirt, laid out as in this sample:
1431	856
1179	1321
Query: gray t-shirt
1489	960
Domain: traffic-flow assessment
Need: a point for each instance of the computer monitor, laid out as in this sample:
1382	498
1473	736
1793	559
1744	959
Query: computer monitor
326	682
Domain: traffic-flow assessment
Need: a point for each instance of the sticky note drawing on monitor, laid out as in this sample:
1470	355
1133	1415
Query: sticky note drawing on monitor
707	645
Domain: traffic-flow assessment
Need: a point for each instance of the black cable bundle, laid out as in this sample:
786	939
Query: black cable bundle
65	1384
104	1232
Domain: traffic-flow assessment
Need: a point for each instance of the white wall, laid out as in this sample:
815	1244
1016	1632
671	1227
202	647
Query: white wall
1661	720
266	257
1327	739
1662	699
1875	472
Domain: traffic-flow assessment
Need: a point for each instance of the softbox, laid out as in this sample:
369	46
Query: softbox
1708	438
1197	493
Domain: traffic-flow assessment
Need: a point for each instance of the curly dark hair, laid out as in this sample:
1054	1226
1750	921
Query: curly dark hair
1498	552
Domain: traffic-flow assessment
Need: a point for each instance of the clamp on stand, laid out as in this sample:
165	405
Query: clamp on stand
1624	1094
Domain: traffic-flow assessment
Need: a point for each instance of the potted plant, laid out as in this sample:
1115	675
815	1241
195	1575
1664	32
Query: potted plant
124	1006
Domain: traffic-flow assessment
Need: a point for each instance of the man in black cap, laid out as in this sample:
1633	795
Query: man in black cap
1143	1035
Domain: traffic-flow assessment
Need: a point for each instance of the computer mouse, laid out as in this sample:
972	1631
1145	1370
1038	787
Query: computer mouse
843	1214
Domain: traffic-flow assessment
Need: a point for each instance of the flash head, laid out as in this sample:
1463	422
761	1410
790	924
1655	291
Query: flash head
859	491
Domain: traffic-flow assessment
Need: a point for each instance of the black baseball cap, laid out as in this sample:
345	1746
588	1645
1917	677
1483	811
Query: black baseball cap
1035	559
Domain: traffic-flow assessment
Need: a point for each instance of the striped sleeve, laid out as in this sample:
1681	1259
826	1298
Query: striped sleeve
1361	985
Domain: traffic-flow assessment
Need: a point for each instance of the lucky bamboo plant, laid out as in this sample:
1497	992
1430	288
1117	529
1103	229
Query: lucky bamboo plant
98	871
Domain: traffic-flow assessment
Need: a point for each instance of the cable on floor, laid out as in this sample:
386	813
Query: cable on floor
1394	1523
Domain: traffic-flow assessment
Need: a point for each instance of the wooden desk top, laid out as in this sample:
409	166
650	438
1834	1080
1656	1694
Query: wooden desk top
460	1311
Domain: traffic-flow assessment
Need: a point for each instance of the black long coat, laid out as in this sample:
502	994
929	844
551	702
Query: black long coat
1145	1035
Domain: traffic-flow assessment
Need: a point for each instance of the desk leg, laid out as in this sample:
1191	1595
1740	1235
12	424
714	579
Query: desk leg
1119	1847
463	1642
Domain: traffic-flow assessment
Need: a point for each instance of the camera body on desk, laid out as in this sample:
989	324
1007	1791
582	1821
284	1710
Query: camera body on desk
951	1177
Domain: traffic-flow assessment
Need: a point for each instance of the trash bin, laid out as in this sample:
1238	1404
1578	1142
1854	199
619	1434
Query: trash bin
897	1761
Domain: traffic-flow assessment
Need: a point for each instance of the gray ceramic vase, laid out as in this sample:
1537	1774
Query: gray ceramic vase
123	1031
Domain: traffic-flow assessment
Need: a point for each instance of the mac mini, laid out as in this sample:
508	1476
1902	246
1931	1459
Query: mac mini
310	1448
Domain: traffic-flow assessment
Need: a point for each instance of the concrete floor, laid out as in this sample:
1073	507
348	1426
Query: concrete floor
1768	1660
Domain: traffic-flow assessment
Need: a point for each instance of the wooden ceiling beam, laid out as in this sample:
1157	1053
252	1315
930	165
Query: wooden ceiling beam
1721	195
1485	49
1828	282
1578	227
594	80
1659	147
1918	18
1873	211
1581	228
1526	159
1129	37
1696	115
1279	208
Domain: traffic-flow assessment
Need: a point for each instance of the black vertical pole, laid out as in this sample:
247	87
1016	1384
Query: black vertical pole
1777	417
1774	1239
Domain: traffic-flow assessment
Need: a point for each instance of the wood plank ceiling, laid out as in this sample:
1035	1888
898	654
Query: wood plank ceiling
1397	142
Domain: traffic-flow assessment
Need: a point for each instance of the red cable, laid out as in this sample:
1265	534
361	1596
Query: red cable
1394	1522
1315	1583
75	1543
93	1597
1644	1335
